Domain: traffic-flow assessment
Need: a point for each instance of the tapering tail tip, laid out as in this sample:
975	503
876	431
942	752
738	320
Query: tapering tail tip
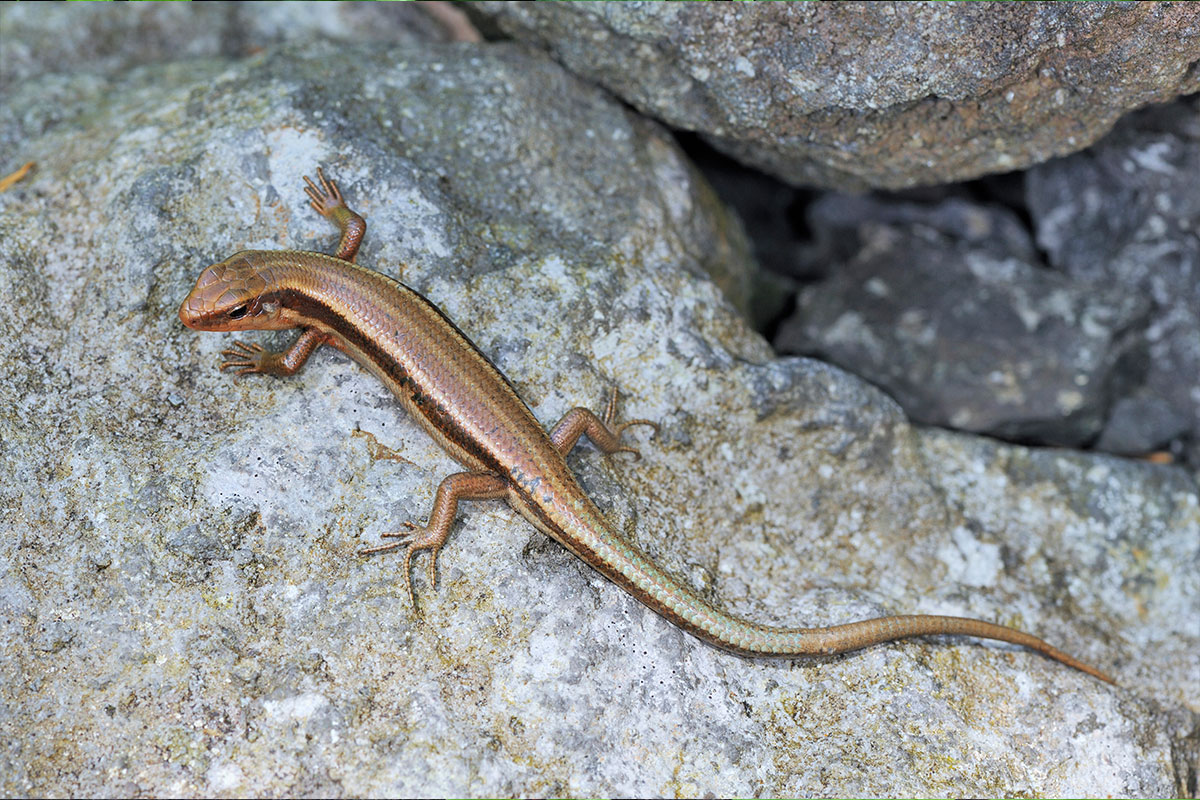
1095	673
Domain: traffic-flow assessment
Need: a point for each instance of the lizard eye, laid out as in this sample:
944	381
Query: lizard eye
237	313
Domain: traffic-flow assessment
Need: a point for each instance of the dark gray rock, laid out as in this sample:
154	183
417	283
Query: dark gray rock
854	95
1126	214
836	220
770	211
1142	422
947	314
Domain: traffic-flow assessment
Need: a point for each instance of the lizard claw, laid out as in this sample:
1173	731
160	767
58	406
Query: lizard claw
250	357
610	413
619	429
326	198
637	454
415	539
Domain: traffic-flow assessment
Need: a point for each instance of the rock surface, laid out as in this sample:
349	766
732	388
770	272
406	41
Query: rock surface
946	309
44	38
856	95
1126	214
182	609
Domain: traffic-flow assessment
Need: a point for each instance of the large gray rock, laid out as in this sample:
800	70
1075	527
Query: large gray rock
946	309
1126	214
182	609
42	38
854	95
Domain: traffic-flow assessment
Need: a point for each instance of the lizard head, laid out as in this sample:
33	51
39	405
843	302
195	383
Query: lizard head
233	295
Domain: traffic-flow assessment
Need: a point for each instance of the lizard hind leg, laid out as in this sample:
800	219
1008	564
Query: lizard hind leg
600	430
431	537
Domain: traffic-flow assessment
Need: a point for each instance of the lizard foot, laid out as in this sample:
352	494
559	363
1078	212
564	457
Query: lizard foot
249	357
415	539
325	199
610	413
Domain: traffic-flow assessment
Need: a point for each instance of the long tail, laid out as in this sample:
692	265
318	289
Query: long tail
631	569
574	520
855	635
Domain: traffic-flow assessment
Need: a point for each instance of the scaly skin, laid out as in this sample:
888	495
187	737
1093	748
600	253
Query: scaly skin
472	411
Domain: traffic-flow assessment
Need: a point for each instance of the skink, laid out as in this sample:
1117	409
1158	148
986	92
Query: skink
472	411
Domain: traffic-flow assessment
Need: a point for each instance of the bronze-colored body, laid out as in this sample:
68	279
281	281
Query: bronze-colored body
472	411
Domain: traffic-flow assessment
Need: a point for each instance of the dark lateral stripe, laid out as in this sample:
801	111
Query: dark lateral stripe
446	423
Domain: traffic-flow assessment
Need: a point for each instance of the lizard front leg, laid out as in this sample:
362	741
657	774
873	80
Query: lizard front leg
253	358
327	201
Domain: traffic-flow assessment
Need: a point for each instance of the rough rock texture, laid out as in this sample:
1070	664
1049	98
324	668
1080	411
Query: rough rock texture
1126	214
854	95
182	609
946	309
48	37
